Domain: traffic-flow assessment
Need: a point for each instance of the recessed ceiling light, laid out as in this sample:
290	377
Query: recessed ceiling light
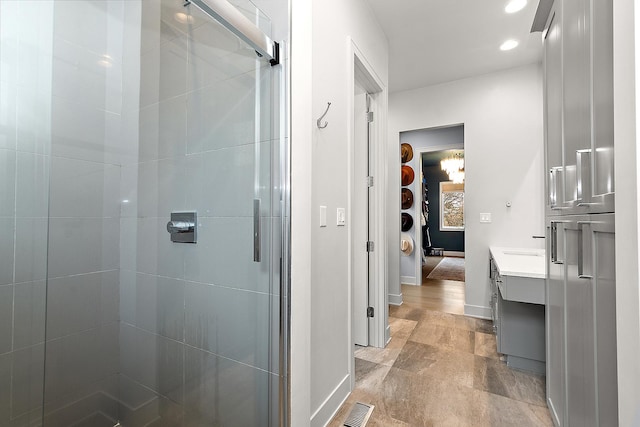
509	44
515	5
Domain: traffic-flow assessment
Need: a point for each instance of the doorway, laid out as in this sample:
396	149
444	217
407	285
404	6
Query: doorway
361	208
433	274
365	213
442	266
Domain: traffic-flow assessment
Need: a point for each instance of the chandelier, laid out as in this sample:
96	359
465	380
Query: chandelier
454	166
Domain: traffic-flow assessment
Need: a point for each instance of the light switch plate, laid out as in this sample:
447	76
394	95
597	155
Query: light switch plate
485	218
323	216
340	216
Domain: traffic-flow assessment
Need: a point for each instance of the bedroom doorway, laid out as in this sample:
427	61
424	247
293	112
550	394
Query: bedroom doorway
438	261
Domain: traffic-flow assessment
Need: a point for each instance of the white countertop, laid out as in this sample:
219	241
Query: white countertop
521	262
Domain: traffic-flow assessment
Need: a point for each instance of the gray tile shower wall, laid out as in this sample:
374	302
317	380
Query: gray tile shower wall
90	142
25	136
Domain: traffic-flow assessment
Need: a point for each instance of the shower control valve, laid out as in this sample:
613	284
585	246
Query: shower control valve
180	226
183	227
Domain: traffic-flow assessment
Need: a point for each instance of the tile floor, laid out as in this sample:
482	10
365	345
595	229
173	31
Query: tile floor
442	369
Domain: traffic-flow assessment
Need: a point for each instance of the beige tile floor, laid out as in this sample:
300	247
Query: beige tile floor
442	369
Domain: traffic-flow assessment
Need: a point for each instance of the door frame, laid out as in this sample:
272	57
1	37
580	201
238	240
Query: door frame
361	259
360	69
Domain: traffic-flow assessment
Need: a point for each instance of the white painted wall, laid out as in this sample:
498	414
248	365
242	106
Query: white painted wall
626	54
301	178
320	74
502	116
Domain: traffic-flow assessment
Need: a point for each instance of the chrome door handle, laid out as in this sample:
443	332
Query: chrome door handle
583	177
581	274
554	240
554	243
555	175
552	196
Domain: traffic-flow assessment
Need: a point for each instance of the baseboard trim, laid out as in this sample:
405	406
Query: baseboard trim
408	280
477	311
332	403
454	253
395	299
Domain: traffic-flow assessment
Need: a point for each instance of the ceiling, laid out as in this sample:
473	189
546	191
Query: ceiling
436	41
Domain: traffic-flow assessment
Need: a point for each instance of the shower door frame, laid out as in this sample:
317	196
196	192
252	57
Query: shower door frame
227	15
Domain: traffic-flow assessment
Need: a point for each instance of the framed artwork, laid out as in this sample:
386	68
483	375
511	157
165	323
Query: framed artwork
451	206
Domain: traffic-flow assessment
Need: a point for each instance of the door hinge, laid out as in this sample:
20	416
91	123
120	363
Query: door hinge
369	116
369	181
369	246
369	311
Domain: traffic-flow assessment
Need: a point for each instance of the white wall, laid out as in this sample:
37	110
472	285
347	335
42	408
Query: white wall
301	178
626	84
502	117
319	177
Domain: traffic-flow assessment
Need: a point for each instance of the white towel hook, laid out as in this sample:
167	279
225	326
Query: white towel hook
319	122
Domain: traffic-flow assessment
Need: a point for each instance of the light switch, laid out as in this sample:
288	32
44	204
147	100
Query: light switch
485	217
323	216
340	216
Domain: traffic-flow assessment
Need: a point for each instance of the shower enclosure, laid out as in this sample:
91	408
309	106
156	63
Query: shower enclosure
114	115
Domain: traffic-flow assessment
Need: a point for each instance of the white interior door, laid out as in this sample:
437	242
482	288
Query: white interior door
360	219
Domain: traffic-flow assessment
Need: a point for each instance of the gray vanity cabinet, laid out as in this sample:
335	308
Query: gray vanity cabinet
518	313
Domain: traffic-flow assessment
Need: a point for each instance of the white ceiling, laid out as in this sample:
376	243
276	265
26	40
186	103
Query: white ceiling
436	41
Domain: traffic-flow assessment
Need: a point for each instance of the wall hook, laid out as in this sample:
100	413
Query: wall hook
319	122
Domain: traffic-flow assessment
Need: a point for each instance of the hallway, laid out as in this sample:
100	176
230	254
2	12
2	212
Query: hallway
440	294
441	368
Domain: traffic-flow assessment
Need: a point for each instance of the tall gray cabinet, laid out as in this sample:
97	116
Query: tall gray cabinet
580	216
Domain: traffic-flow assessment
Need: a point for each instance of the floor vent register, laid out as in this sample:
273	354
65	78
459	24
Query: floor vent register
359	415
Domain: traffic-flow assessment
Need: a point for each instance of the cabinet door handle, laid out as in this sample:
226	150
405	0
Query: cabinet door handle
554	243
555	175
553	187
583	177
581	242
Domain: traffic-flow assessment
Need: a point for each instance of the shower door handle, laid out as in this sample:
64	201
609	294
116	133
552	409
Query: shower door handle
256	230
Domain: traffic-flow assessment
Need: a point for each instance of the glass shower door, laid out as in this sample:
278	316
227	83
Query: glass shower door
199	321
